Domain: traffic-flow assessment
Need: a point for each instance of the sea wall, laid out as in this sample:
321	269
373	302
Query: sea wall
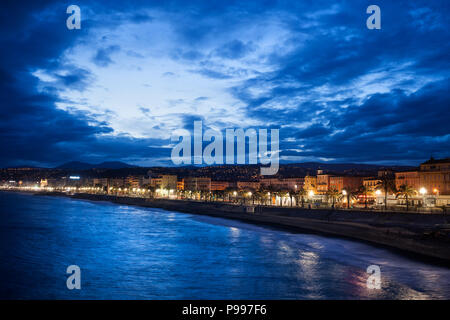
413	220
420	235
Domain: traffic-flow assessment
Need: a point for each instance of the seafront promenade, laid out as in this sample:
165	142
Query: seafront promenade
420	235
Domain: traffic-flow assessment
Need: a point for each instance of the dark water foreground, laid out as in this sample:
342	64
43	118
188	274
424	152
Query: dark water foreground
129	252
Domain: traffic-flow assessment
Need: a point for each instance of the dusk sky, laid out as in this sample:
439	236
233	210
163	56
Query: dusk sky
137	70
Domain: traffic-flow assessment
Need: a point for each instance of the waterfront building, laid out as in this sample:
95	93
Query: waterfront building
197	184
323	182
156	182
116	182
221	185
204	184
434	176
53	182
371	183
133	181
180	185
248	185
168	182
291	184
100	182
310	184
408	178
145	181
344	183
270	182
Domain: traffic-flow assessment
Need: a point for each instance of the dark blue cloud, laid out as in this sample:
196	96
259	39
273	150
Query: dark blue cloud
235	49
32	129
103	56
337	90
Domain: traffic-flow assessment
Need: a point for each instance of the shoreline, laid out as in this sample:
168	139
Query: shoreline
419	236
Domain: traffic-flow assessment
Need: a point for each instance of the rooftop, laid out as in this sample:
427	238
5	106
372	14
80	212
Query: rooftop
434	161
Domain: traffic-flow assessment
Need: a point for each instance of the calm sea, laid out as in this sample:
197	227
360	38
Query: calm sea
127	252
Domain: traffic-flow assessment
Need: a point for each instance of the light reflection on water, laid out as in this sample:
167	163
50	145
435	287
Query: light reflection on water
139	253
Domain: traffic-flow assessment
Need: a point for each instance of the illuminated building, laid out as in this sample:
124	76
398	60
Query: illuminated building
133	181
323	182
344	182
168	182
197	184
248	185
434	176
371	184
220	185
310	184
292	184
408	178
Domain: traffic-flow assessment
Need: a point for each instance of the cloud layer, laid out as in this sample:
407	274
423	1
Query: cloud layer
118	88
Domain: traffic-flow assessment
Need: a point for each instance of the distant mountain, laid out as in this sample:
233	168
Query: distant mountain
78	165
113	165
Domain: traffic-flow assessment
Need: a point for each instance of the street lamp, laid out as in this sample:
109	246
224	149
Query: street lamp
423	192
378	192
311	193
345	194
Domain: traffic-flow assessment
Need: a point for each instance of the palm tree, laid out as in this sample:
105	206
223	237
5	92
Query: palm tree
261	196
240	196
250	194
282	194
151	191
386	184
333	193
300	193
406	191
220	194
364	190
229	192
349	194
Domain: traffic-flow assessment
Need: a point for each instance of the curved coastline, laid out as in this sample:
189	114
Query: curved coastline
417	235
420	236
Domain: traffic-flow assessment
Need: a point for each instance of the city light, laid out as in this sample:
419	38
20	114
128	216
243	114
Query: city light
378	192
423	191
344	192
311	193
